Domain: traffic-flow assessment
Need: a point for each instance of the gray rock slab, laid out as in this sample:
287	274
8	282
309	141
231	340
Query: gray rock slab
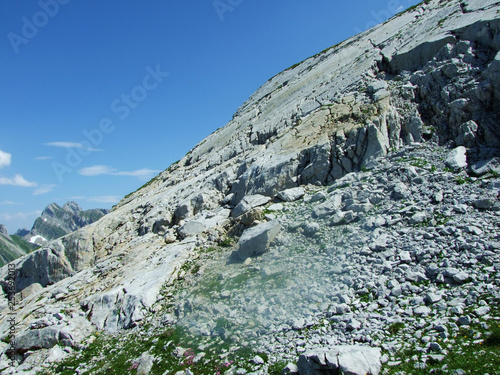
249	202
290	195
34	339
191	228
256	240
344	359
329	207
486	166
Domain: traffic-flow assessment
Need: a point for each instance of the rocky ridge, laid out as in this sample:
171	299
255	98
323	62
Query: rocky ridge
427	75
56	221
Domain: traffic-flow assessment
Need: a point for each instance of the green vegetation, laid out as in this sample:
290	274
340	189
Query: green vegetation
276	368
175	349
474	349
394	328
13	247
463	180
412	8
226	242
417	162
142	187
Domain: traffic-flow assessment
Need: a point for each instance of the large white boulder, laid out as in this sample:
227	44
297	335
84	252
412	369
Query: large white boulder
457	158
343	359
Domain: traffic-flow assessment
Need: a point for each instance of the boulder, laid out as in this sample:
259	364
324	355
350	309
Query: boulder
290	195
30	290
145	364
344	359
191	228
329	207
249	202
256	240
457	158
290	369
34	339
377	86
483	167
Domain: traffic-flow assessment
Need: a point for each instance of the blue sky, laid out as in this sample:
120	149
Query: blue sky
97	97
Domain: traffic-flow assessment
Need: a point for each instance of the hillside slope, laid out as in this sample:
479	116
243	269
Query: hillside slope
343	118
13	247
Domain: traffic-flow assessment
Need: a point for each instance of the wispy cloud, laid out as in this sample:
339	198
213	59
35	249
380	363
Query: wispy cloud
5	159
71	145
96	170
140	173
18	180
19	215
44	189
44	157
10	203
105	199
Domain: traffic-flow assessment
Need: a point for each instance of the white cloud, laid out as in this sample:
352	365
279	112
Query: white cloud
96	170
71	145
140	173
44	189
4	159
105	199
18	180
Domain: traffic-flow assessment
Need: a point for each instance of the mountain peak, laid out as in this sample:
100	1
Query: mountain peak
72	207
57	221
51	209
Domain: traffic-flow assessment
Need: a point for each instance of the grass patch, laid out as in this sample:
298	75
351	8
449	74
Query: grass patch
474	349
174	349
394	328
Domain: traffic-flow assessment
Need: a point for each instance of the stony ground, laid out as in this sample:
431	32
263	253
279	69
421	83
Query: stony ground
404	256
413	246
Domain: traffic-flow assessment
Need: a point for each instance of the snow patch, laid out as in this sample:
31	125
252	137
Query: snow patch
38	239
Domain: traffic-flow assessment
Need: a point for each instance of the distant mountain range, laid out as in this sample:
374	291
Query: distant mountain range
54	222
